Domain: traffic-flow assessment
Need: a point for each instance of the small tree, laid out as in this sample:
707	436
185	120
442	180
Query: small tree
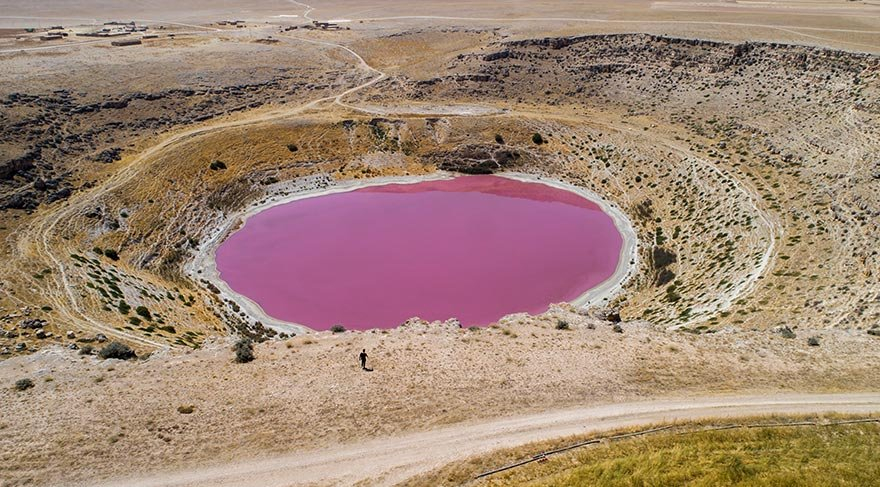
244	351
117	350
537	139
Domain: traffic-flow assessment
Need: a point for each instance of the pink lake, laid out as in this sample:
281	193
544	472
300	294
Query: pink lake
474	248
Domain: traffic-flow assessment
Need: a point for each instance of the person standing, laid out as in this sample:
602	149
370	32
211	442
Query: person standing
363	357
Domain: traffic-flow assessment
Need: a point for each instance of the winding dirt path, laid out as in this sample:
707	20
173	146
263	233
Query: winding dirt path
387	461
42	236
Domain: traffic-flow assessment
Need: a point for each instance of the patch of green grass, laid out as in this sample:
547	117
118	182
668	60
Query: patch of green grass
840	455
763	456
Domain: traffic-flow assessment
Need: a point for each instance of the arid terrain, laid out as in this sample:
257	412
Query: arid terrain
739	138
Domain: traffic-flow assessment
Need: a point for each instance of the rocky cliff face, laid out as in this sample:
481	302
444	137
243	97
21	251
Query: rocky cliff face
46	133
617	67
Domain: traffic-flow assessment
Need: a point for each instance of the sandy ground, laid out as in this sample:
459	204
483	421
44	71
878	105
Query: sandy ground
87	419
389	461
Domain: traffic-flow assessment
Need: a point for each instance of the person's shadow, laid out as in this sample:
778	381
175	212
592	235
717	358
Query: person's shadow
367	369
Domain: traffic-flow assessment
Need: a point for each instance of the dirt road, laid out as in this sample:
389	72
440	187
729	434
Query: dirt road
389	460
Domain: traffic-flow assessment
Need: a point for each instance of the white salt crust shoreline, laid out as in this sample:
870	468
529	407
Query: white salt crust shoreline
203	265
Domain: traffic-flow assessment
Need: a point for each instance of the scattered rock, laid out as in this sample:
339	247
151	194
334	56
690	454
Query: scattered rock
41	334
188	409
71	335
785	331
813	341
617	328
109	155
609	314
100	338
32	324
20	347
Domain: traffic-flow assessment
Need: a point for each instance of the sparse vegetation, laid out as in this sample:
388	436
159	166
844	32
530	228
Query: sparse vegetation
337	329
111	254
117	350
23	384
244	351
562	325
144	313
537	139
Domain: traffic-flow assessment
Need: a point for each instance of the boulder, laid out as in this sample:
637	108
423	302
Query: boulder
32	324
785	331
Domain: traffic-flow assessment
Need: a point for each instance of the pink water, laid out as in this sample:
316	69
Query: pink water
475	248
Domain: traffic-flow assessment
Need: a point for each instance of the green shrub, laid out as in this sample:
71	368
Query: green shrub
337	329
292	147
217	165
562	325
111	254
244	351
23	384
123	307
499	139
537	139
143	312
117	350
